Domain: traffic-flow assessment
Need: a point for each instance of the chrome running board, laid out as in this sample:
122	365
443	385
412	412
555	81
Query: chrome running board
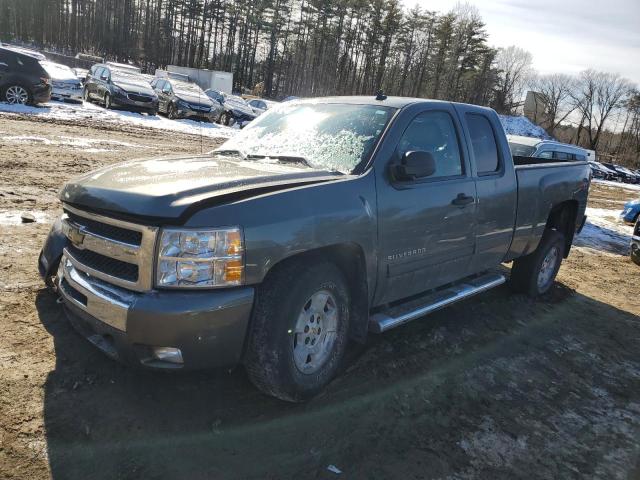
403	313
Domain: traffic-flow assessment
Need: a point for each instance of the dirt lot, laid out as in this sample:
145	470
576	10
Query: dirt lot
496	387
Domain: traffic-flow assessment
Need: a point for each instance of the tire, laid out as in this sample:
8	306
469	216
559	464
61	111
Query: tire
635	256
85	96
294	366
225	119
535	273
171	112
107	101
17	94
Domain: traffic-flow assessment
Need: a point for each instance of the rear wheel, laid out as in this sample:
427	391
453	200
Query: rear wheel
299	331
17	95
535	273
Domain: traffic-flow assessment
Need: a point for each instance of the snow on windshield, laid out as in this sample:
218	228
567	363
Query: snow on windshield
329	136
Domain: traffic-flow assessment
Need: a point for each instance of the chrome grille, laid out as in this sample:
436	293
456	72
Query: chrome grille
111	266
115	251
137	97
104	229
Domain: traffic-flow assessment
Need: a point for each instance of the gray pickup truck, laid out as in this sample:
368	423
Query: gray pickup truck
322	221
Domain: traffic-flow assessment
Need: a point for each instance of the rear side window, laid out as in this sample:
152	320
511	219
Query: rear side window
484	145
562	156
435	133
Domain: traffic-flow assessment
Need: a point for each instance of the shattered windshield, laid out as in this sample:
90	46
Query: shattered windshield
329	136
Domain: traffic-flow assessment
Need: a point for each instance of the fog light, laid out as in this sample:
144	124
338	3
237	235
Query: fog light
167	354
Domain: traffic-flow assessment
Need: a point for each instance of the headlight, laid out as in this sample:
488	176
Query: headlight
118	91
200	258
182	104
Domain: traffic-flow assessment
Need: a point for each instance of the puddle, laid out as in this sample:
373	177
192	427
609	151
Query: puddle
12	217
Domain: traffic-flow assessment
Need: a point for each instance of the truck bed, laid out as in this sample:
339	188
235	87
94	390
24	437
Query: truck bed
542	185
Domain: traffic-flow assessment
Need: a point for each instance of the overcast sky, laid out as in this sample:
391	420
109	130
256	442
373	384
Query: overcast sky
563	35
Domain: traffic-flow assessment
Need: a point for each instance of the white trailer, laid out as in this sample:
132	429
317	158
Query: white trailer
220	81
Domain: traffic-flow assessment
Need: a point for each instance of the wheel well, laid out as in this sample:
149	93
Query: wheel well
350	260
563	219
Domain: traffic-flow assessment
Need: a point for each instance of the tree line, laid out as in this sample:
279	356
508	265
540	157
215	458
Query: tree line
331	47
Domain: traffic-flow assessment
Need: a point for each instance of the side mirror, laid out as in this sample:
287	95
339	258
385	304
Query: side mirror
104	77
413	165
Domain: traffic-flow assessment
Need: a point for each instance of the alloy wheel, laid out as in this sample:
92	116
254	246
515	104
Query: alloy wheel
315	332
16	95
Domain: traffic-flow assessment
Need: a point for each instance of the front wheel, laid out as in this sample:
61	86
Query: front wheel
171	112
299	331
85	95
225	119
535	273
107	101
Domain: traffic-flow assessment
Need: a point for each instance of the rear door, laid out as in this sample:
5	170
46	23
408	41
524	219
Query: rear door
496	188
426	226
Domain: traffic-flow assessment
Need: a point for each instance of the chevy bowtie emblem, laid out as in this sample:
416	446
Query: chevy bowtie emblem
75	235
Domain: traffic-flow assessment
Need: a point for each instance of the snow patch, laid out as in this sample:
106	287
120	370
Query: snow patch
523	126
12	217
605	231
609	183
89	111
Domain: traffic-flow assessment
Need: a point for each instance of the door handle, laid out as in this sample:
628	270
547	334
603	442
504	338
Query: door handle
461	200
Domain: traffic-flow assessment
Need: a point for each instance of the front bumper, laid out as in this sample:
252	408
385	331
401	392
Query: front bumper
198	114
208	327
629	215
126	102
41	93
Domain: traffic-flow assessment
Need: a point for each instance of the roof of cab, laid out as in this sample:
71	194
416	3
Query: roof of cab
394	102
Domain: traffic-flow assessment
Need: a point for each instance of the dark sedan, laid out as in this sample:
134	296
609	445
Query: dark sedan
623	173
118	88
180	99
236	110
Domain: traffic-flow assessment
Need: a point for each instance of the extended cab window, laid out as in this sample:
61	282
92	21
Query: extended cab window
484	145
435	133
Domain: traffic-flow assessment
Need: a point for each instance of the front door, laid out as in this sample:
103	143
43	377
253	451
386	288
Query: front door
427	225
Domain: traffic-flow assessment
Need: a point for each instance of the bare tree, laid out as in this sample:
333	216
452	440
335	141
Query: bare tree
556	92
598	94
514	68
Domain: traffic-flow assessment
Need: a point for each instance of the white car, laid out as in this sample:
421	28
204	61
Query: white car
259	105
65	84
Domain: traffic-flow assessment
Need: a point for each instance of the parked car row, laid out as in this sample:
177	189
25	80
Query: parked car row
623	174
27	77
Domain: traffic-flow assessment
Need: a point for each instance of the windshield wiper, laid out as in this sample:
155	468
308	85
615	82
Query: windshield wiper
285	159
231	152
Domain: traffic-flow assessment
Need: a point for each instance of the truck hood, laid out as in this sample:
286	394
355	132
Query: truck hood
166	188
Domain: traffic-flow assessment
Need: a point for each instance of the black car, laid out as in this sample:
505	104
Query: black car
22	79
236	110
118	88
180	99
624	174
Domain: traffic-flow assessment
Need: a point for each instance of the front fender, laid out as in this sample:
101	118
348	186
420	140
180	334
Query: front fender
52	251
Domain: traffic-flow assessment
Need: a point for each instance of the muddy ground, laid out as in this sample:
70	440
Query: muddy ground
499	386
